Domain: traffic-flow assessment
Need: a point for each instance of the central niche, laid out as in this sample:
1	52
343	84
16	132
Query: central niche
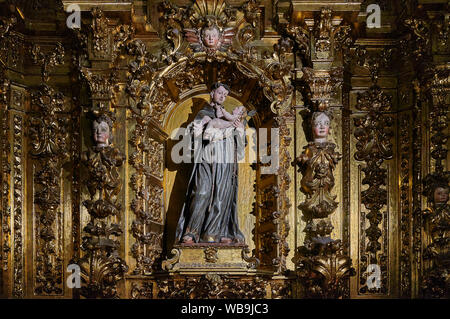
176	176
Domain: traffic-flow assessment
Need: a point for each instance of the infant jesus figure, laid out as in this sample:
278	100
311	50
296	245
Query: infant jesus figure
223	126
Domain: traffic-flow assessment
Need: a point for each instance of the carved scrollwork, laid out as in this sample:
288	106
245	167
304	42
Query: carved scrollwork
211	254
323	270
50	150
374	61
6	24
323	34
168	263
283	203
147	159
323	85
252	261
104	39
212	286
155	85
421	33
5	170
300	34
251	11
56	57
18	199
373	132
101	267
272	70
5	191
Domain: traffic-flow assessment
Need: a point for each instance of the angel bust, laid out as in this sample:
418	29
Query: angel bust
210	38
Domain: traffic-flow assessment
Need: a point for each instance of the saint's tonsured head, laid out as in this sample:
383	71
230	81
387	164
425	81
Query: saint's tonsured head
219	93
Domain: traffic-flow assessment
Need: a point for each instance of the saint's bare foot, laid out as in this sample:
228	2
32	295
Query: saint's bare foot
225	240
188	240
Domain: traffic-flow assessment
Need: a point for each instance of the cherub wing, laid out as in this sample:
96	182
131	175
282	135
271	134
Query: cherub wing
227	36
192	36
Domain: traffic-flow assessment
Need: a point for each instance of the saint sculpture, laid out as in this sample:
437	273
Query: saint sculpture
210	212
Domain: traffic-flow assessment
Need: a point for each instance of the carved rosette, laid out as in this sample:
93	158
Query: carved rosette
5	174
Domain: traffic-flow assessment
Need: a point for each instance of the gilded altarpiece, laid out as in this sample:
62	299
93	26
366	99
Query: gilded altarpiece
355	206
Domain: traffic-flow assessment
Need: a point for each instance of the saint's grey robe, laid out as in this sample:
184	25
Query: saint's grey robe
210	209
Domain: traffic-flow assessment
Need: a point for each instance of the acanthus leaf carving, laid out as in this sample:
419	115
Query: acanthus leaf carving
373	133
101	266
50	150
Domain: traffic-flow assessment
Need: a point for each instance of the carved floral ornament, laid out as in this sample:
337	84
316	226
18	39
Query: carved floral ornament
322	266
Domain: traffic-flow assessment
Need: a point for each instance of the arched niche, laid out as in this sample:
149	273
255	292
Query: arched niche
170	99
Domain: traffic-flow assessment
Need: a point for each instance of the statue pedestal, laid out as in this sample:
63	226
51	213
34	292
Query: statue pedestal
210	257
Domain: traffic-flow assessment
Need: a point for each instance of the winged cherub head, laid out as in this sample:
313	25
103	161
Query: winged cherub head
210	37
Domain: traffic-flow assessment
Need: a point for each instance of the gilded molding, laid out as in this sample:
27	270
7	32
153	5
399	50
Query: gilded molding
211	254
281	216
417	185
5	186
405	205
5	147
18	214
